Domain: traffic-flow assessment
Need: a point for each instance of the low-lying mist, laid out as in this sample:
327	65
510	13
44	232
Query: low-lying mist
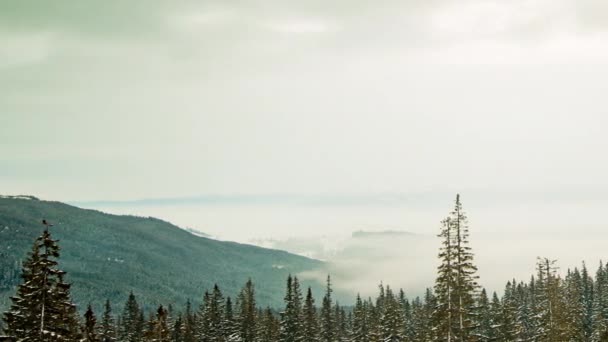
409	261
508	233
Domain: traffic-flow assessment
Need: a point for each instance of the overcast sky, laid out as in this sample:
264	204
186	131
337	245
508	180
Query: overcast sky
126	100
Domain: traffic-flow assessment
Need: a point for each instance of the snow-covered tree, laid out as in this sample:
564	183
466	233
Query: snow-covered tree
328	328
42	309
311	322
456	285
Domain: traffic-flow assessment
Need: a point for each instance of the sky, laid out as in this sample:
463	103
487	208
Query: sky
257	119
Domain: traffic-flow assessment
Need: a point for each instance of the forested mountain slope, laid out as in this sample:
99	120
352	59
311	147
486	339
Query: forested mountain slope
107	256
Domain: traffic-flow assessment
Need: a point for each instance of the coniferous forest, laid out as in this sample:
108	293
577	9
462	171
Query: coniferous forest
547	307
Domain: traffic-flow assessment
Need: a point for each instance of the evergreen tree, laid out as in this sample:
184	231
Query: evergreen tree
391	317
230	327
587	298
189	326
406	308
291	317
131	327
485	332
108	328
328	328
158	330
600	306
574	315
89	329
214	315
360	330
202	319
311	323
42	309
177	331
550	308
268	327
508	315
247	313
456	284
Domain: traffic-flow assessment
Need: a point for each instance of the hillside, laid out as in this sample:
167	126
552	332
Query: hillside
106	256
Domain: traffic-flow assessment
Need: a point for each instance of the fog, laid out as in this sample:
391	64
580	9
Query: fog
508	232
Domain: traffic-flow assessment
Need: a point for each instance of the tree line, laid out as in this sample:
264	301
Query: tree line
548	307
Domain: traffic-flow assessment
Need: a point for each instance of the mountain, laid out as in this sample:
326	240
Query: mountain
107	256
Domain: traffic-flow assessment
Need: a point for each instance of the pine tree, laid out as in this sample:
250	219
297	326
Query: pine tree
406	308
268	327
574	306
177	331
131	327
108	328
549	303
391	318
587	294
247	313
42	309
229	325
600	306
523	300
189	326
456	284
328	329
508	315
311	323
202	319
213	315
485	332
360	331
89	329
158	330
291	317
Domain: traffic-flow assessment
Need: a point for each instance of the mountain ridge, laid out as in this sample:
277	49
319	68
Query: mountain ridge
107	256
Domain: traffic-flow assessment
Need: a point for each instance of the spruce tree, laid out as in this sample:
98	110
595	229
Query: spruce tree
202	319
328	329
587	298
42	309
360	330
311	323
159	329
456	284
229	324
508	315
247	314
485	332
268	327
131	326
177	331
291	323
600	306
108	328
550	307
189	326
89	329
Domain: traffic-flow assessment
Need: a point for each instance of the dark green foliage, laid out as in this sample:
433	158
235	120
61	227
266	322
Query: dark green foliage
131	322
89	330
547	308
328	328
247	316
42	310
456	285
310	320
108	256
291	327
108	326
